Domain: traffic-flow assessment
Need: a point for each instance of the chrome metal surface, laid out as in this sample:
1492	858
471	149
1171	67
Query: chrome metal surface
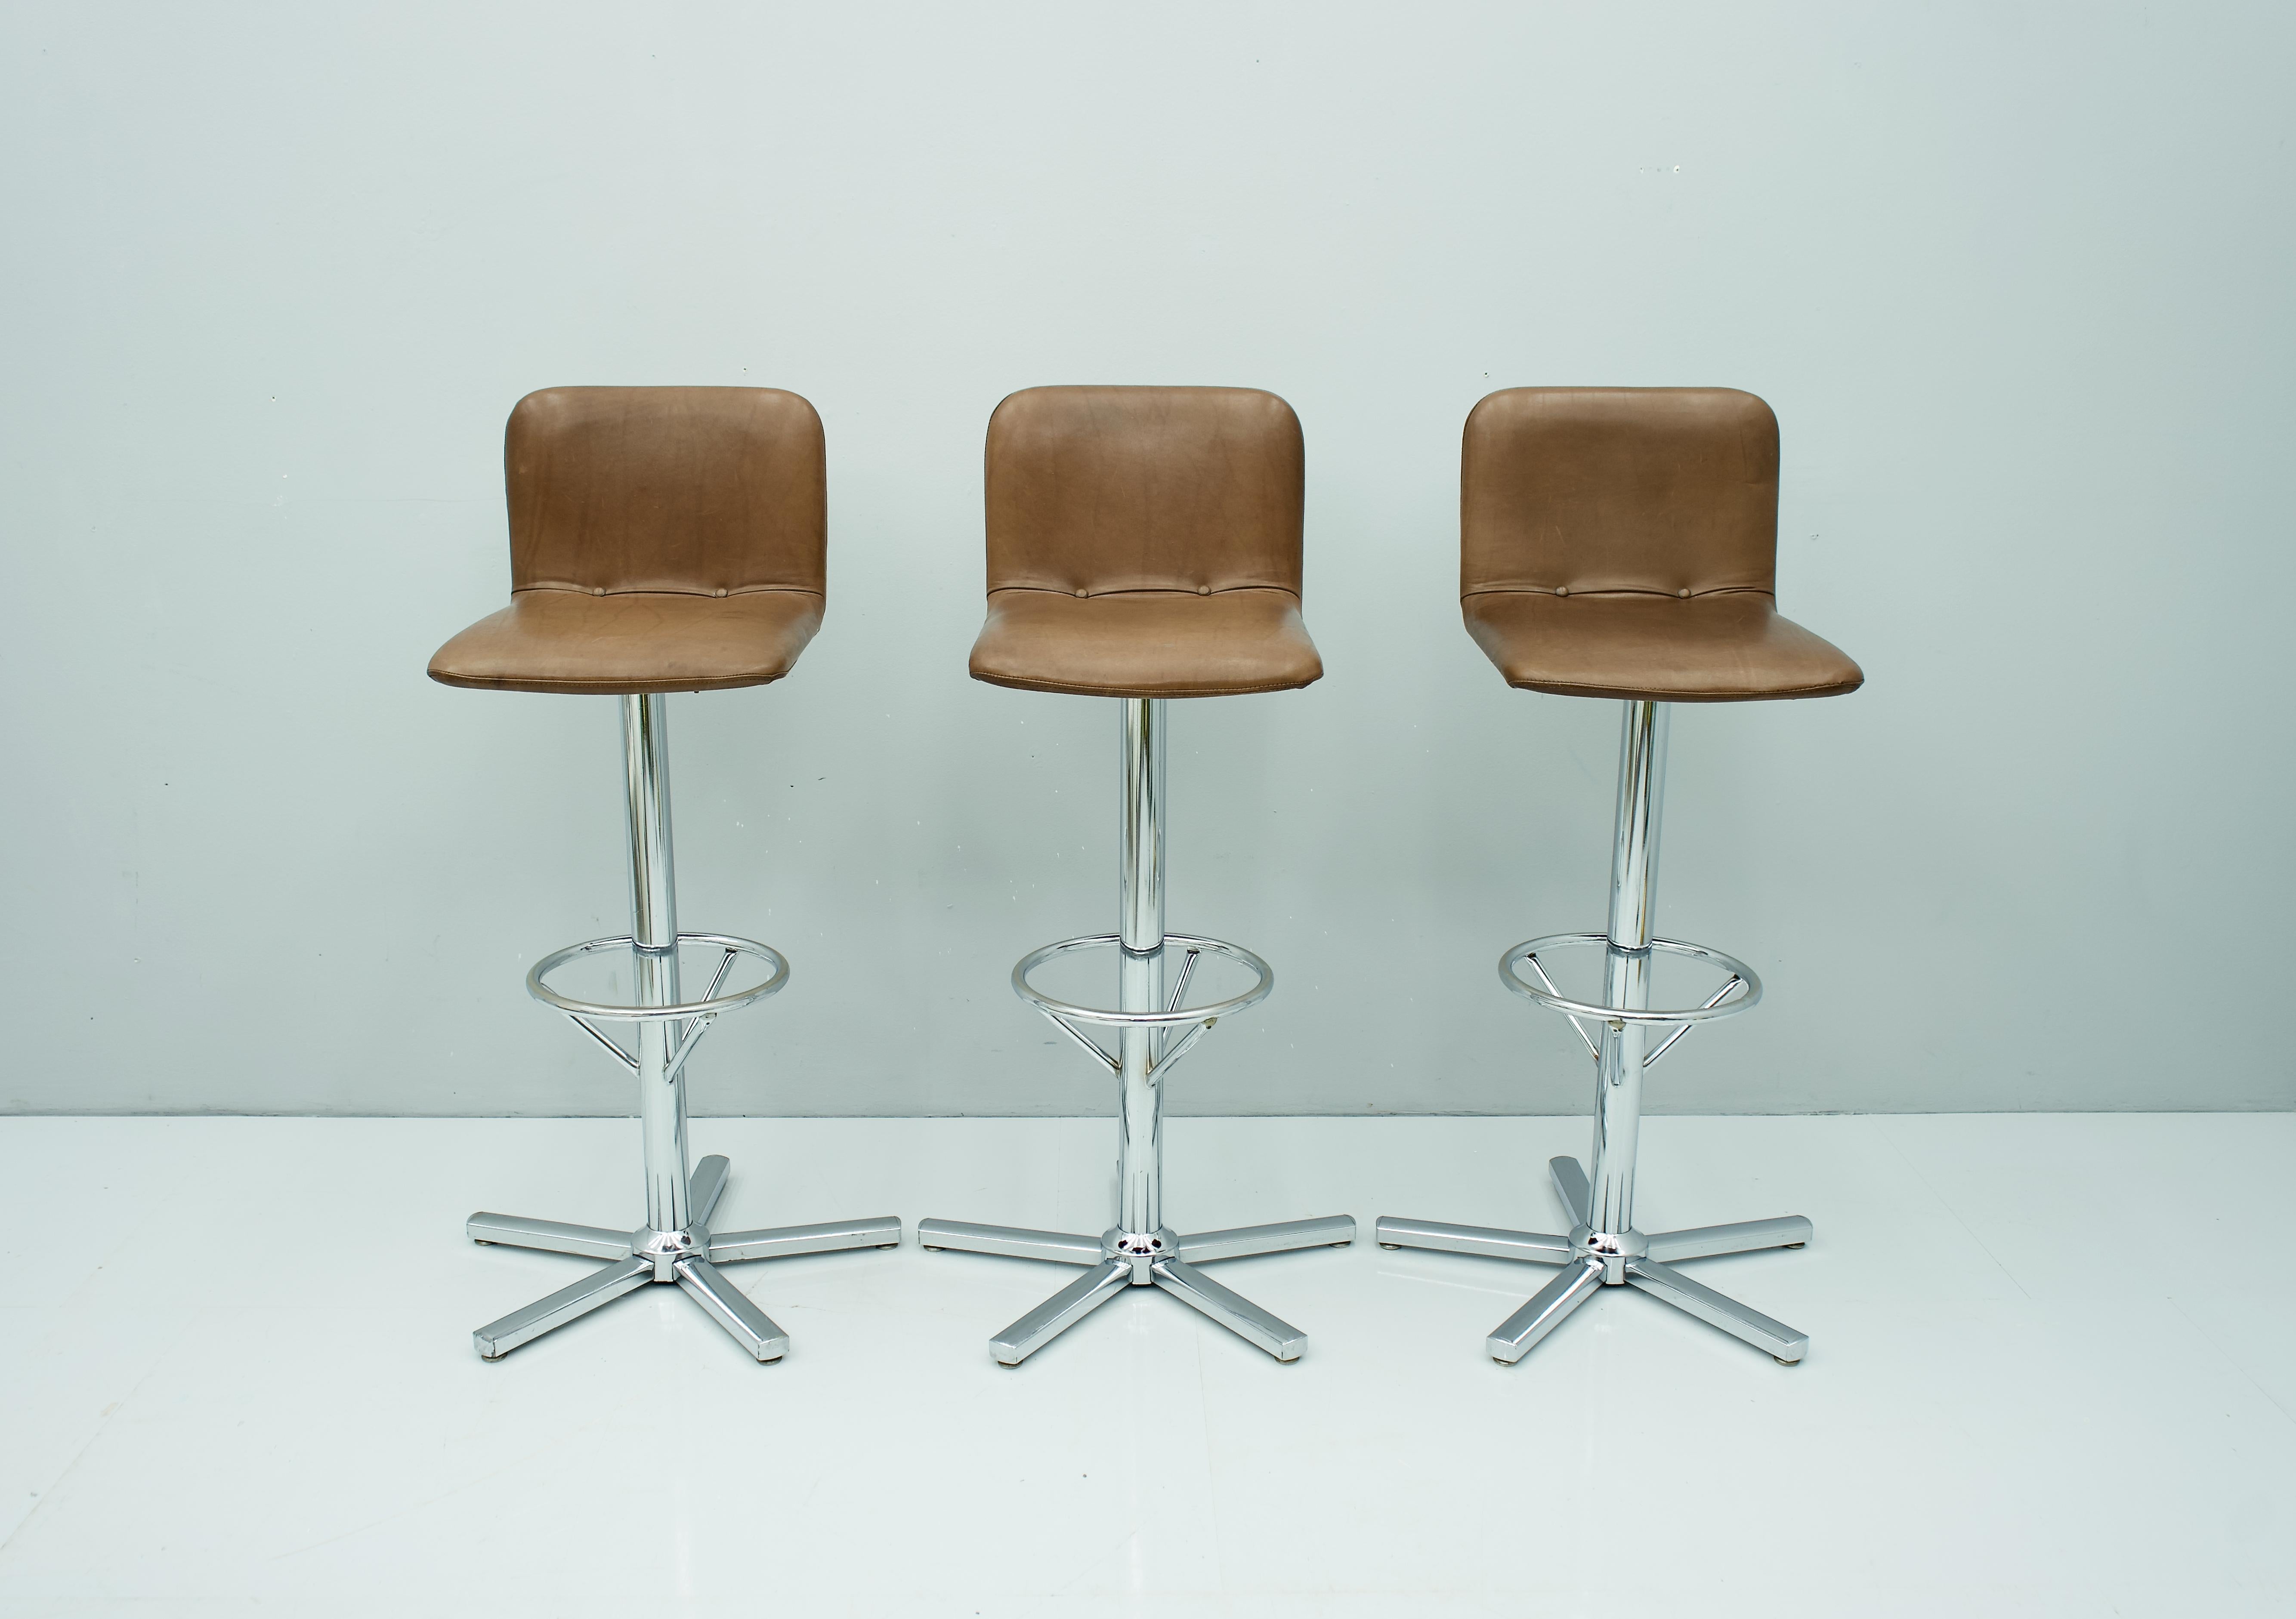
1169	1018
1138	1250
675	1243
1140	853
1570	1183
1139	1098
1603	1247
1187	971
1634	833
645	777
1063	1311
1707	1005
653	957
1695	1298
1529	958
1513	1337
1231	1310
604	1039
826	1237
1178	1048
1598	1014
1625	971
1084	1041
1743	1237
710	1005
498	1338
1535	1246
1011	1241
731	1309
510	1231
709	1185
1243	1241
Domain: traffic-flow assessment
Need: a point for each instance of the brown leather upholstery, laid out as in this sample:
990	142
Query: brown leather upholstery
1622	542
661	539
1144	541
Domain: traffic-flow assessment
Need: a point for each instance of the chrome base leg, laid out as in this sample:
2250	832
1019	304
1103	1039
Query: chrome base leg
1118	1260
1571	1186
511	1232
782	1241
1739	1321
1331	1232
579	1298
705	1186
1536	1247
1629	1259
1513	1337
752	1329
1744	1237
688	1258
1231	1311
1010	1240
1058	1314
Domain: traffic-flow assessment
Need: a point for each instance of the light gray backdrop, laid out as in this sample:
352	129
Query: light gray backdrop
2015	278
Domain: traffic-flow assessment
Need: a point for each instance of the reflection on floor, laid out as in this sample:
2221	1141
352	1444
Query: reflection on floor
2053	1369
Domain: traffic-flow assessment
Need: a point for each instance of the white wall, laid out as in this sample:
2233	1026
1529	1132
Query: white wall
2016	279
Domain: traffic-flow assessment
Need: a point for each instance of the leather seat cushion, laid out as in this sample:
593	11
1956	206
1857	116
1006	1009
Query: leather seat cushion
1728	647
1146	644
631	641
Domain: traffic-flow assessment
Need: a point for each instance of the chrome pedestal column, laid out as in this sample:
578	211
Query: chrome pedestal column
1152	1031
676	1243
1603	1247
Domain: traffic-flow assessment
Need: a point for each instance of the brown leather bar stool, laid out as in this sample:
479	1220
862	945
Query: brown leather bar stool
1143	544
1622	543
661	539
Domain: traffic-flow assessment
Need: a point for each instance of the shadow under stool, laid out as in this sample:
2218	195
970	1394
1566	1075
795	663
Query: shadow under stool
1622	544
662	539
1144	544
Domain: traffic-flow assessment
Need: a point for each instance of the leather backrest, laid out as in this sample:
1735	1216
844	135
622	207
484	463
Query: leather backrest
708	491
1660	490
1100	489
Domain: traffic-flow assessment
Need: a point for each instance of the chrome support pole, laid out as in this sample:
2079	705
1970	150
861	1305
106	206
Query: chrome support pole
653	926
1627	965
676	1244
1140	968
1603	1249
1138	1251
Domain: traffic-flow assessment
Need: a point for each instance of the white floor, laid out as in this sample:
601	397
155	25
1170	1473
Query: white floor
2053	1370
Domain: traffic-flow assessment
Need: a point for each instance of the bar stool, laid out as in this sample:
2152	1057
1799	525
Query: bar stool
1144	544
661	539
1622	543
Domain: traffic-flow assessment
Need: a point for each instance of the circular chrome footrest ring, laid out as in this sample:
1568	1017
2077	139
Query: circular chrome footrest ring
1744	976
1174	1018
711	1007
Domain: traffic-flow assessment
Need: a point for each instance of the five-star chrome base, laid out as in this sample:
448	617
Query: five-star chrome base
689	1258
1116	1260
1592	1259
